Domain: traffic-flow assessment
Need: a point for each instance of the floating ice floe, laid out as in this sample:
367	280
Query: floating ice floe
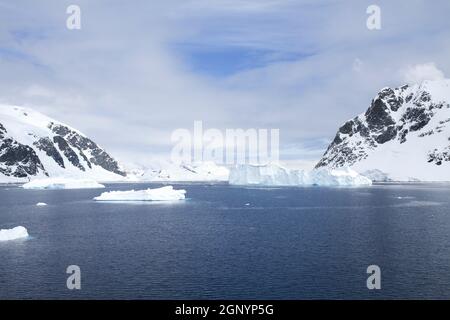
13	234
62	183
160	194
41	204
275	175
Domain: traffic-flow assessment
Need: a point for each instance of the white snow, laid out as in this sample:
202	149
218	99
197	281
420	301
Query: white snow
13	234
275	175
62	183
376	175
161	170
41	204
167	193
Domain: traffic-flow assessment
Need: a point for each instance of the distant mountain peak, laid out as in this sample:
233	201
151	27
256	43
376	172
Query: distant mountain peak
405	132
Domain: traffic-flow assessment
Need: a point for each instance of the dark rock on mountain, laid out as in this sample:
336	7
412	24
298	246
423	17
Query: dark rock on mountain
46	145
16	159
68	152
85	145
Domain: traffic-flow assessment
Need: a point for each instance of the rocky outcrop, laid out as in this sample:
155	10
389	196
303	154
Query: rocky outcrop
17	160
85	146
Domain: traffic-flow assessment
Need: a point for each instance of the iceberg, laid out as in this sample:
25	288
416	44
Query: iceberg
160	194
275	175
13	234
62	183
41	204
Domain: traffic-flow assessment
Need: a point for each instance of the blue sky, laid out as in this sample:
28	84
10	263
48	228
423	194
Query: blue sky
224	61
144	68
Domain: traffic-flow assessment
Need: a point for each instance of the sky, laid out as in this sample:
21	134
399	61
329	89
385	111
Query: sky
138	70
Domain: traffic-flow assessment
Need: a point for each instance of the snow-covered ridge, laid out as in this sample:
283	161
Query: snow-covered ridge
167	193
275	175
33	145
62	183
403	136
13	234
164	171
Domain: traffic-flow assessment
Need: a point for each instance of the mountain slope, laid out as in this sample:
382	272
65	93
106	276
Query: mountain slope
35	146
403	136
162	171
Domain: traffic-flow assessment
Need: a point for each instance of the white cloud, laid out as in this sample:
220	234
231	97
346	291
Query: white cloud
122	80
420	72
38	91
357	65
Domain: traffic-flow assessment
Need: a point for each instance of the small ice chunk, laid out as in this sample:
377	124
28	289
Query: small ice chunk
41	204
13	234
160	194
62	183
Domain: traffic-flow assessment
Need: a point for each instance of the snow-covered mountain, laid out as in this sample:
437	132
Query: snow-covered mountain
403	136
161	171
33	145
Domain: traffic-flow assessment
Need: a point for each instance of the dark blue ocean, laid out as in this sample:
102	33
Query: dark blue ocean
229	243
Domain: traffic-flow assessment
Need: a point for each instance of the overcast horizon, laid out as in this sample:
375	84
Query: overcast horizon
136	72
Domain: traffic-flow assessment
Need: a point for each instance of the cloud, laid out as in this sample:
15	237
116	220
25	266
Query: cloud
357	65
136	72
421	72
38	91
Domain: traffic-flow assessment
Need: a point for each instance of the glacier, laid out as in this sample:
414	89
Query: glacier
13	234
275	175
167	193
62	183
